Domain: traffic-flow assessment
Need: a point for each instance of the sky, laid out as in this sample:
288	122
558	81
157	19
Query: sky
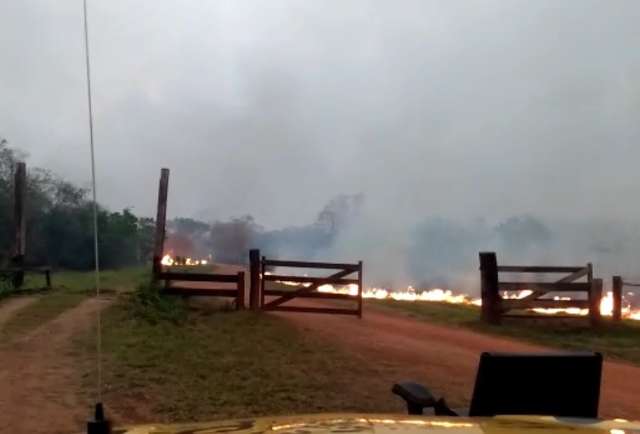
461	109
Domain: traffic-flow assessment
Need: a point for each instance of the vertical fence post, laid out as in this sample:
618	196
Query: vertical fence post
19	223
254	284
360	279
240	297
262	271
161	218
595	297
617	298
47	276
491	309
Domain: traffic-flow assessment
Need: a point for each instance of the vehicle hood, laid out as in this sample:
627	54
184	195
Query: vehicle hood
392	424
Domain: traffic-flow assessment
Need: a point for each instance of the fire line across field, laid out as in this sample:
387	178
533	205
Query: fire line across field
498	297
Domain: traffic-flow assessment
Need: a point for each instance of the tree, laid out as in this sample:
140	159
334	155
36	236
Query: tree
518	234
60	222
232	240
146	237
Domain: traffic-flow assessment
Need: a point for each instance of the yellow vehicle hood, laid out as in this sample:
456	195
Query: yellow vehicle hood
392	424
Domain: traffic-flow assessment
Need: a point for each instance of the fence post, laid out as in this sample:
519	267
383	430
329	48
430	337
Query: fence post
19	223
491	309
360	279
240	298
161	218
595	297
262	281
254	284
617	298
47	276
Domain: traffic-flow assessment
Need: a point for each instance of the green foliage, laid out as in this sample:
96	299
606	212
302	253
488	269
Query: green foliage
5	284
150	305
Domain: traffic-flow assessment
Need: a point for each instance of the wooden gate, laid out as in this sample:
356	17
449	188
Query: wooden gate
291	287
496	306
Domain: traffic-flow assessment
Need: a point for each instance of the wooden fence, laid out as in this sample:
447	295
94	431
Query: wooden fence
16	275
206	280
236	292
304	287
495	306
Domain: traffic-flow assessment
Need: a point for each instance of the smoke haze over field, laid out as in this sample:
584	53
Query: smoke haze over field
432	109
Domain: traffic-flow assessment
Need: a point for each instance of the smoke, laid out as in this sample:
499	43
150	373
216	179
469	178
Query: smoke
451	120
442	252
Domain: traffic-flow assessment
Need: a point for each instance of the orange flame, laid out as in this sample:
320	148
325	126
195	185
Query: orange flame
447	296
168	261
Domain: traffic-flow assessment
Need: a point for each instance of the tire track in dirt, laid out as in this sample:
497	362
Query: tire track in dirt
40	378
9	307
446	358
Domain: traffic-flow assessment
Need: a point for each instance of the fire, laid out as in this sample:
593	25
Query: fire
169	261
447	296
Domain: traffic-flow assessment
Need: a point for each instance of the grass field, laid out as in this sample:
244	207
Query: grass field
618	341
205	361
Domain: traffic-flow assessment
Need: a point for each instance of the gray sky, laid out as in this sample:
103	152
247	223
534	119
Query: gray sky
474	108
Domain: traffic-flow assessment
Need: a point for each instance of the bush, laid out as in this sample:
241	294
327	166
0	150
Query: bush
149	304
6	286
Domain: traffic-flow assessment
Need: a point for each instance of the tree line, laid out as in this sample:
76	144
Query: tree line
59	219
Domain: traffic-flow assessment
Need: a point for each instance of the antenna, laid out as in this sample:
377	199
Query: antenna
100	425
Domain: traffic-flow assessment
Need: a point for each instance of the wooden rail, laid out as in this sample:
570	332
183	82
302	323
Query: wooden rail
185	291
310	264
495	306
13	271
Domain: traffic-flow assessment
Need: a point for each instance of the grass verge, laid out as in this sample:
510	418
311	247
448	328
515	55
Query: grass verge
614	340
166	360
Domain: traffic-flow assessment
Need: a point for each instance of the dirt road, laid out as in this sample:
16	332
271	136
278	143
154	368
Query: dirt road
446	358
39	376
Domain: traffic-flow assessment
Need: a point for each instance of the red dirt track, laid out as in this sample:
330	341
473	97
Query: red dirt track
446	358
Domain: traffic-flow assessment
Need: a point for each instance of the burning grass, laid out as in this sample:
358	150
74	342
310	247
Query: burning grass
450	297
615	340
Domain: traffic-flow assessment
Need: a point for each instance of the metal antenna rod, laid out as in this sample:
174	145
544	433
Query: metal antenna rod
95	201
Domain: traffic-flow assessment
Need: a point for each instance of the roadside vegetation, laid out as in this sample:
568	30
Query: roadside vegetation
614	340
168	359
69	289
